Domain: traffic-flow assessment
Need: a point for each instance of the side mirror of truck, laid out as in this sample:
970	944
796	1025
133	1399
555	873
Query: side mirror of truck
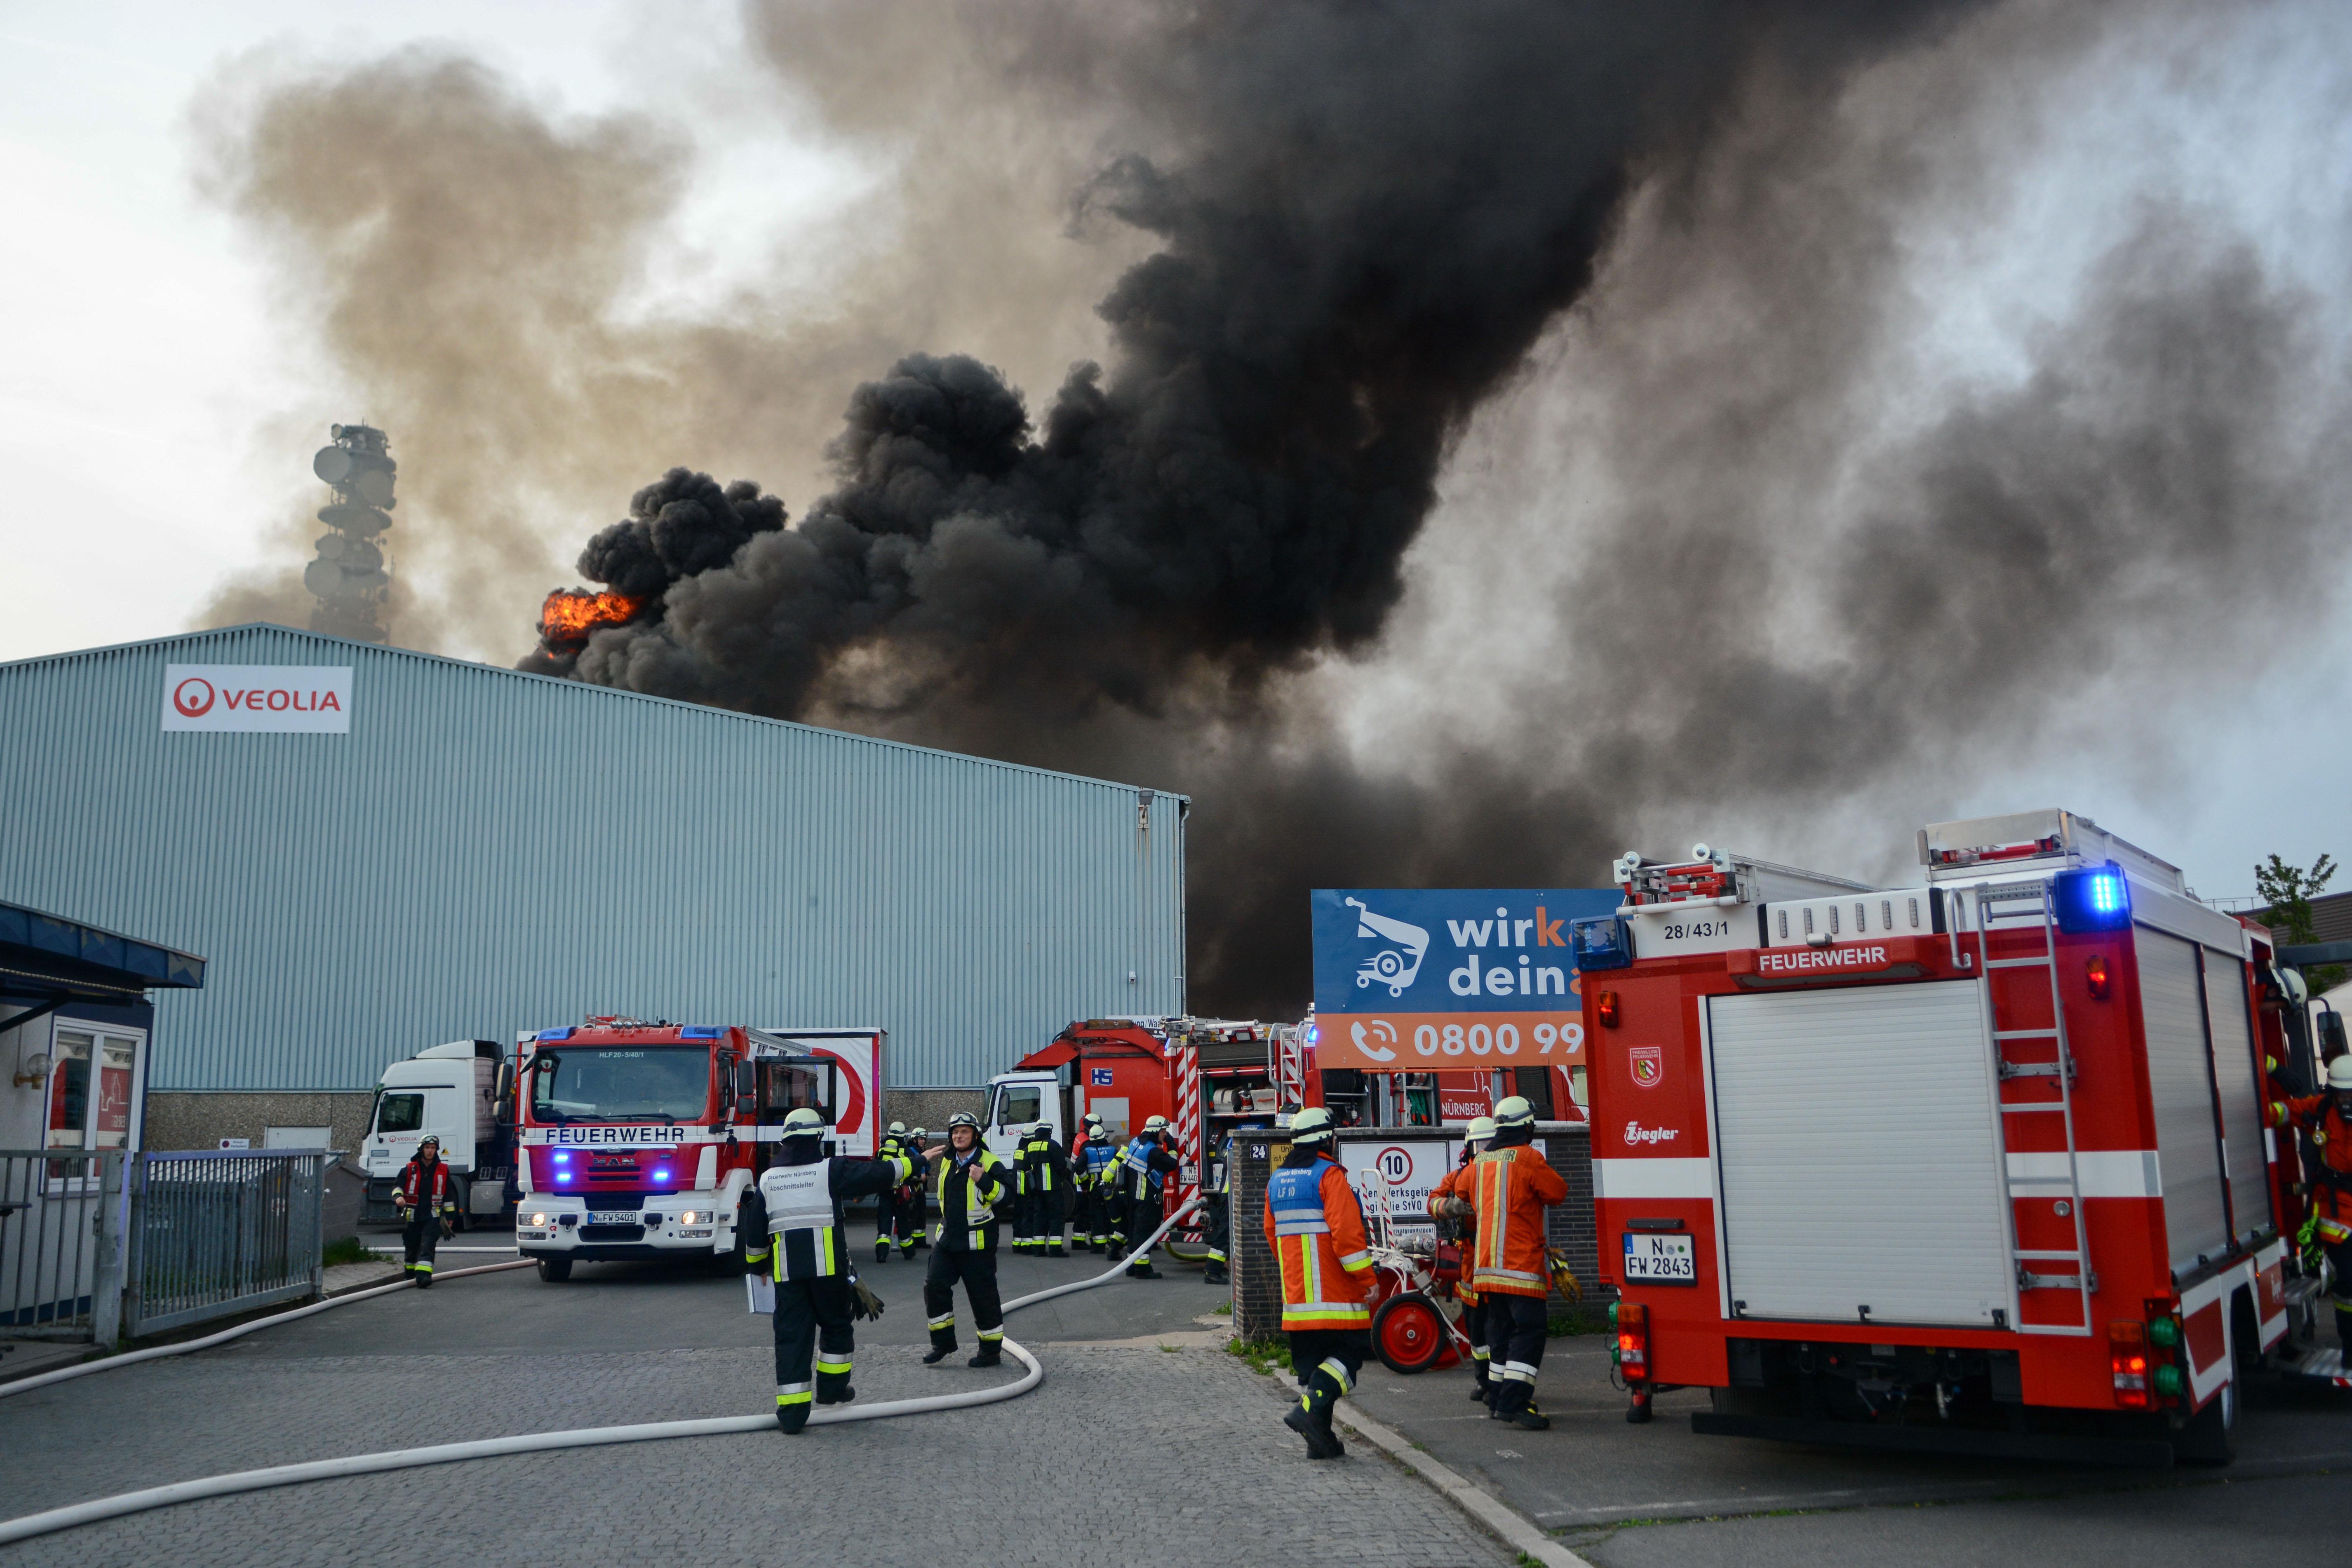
502	1106
747	1083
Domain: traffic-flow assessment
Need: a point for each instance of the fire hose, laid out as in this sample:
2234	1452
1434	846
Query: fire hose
115	1507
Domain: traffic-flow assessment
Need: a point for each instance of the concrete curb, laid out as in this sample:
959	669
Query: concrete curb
1518	1530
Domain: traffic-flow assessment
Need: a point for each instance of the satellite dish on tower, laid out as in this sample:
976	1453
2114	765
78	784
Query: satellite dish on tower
374	488
332	463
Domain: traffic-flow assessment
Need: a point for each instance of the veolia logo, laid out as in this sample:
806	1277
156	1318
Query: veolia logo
192	696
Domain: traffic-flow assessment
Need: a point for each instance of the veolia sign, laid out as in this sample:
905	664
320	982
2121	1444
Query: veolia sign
313	699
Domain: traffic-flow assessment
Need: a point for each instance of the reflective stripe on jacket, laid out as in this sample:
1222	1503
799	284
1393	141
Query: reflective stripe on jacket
968	1194
1510	1254
793	1212
439	1202
1317	1230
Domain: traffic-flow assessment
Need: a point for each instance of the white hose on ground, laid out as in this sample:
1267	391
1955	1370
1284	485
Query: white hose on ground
133	1357
90	1512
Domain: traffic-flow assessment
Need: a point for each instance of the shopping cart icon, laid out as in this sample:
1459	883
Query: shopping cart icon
1390	966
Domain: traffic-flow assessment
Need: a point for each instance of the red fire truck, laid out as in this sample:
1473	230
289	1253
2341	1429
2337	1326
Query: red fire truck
1980	1165
636	1140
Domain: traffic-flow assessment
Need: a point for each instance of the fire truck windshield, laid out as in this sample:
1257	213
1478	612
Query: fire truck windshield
620	1083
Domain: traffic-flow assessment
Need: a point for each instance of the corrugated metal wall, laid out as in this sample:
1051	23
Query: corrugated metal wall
488	851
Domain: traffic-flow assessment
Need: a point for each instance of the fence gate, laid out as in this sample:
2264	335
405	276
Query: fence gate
60	1243
215	1234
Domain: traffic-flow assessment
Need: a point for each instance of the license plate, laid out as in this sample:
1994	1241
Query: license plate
1654	1259
612	1217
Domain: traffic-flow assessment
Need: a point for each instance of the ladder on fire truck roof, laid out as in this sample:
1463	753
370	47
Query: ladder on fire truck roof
2059	1069
1289	1048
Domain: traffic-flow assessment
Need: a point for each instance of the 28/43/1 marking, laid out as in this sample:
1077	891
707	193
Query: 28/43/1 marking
1653	1260
1695	930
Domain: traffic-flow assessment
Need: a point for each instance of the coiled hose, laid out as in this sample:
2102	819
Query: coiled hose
115	1507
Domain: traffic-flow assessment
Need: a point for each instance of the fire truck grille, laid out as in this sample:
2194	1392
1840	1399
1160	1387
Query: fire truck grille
612	1233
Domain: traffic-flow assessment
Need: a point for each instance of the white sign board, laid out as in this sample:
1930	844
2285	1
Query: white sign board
314	700
1413	1162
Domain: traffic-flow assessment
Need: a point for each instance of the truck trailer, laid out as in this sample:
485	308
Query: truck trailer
1980	1165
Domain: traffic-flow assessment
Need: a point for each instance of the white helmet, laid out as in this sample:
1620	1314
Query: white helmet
1479	1129
1312	1125
1515	1112
2339	1074
803	1124
1156	1124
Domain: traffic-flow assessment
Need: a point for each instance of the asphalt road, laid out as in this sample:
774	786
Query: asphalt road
1622	1495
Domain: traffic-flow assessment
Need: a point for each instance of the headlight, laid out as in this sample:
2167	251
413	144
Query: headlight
538	1219
689	1217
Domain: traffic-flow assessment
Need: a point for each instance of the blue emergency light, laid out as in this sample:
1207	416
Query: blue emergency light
700	1031
661	1173
2095	898
1602	943
553	1034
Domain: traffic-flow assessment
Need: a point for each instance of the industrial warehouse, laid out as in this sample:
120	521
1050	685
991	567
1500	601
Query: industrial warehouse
378	850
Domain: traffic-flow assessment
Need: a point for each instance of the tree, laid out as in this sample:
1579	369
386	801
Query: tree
2288	890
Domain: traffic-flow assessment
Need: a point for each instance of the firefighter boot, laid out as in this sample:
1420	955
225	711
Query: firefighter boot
1311	1417
943	1338
1482	1392
992	1350
792	1418
1516	1403
1215	1274
881	1249
425	1276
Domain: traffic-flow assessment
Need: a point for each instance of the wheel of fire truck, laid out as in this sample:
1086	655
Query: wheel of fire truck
2210	1436
1409	1333
555	1270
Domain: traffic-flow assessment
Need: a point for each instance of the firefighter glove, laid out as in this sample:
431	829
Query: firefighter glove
869	1305
448	1226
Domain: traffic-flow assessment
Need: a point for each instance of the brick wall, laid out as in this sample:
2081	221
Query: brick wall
1573	1227
1258	1278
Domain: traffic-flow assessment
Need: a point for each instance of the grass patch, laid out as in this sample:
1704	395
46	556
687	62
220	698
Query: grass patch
1577	1321
346	1249
1222	1308
1264	1356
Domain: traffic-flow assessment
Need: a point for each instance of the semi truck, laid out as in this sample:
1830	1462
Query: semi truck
1980	1164
637	1139
456	1093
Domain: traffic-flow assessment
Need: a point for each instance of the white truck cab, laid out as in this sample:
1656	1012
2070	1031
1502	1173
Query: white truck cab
1019	1102
454	1092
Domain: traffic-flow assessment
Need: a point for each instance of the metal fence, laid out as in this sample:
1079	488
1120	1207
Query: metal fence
213	1234
60	1243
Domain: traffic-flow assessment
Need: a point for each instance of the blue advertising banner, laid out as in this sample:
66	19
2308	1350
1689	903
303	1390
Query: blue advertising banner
1428	979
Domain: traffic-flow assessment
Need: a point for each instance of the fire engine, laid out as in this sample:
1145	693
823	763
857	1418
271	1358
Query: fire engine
1980	1165
636	1140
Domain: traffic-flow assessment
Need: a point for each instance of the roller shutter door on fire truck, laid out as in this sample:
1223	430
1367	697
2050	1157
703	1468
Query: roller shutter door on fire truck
2241	1098
2180	1086
1858	1148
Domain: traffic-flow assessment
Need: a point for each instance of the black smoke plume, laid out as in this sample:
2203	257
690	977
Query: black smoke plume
1366	216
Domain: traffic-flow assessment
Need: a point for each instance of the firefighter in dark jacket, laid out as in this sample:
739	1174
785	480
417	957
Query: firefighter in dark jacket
2327	1121
1141	1172
1044	1189
912	1220
1216	1198
791	1218
426	1202
971	1183
890	1211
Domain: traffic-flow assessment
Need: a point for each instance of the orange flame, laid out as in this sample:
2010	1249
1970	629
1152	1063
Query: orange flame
570	614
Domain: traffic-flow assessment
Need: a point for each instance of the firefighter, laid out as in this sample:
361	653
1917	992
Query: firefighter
1142	1172
1512	1186
1216	1198
1094	1158
914	1235
889	1211
971	1183
2326	1120
792	1215
1450	1204
1316	1228
428	1206
1044	1185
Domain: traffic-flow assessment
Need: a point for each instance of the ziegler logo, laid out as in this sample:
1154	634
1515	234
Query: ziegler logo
1637	1133
1648	1064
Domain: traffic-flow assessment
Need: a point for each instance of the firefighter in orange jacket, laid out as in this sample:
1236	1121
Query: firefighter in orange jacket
1452	1199
2326	1120
428	1208
1511	1259
1317	1230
